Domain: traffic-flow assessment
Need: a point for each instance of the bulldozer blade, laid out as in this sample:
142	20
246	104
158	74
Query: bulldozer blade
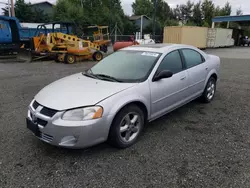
24	55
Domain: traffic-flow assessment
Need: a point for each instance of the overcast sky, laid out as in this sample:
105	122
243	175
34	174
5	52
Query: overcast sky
244	4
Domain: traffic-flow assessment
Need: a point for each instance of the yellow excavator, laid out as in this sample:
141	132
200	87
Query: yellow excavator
98	35
61	45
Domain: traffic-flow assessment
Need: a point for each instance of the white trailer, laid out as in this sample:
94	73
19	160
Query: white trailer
219	37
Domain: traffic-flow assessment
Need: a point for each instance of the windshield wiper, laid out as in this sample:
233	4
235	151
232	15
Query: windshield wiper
107	77
91	75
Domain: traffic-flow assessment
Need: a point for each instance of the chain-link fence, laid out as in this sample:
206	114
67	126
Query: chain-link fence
158	38
113	38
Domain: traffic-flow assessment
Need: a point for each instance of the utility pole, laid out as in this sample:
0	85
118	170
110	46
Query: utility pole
154	17
110	15
9	8
12	8
115	32
142	16
81	3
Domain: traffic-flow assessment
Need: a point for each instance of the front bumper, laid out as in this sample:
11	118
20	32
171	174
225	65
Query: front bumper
69	134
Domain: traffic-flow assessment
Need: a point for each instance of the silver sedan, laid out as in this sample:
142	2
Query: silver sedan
113	100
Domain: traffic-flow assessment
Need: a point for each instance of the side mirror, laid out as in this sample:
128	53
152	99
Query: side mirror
163	74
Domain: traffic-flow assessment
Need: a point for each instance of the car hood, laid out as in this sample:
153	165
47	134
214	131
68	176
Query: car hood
78	90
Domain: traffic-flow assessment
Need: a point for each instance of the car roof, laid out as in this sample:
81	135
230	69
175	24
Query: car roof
161	48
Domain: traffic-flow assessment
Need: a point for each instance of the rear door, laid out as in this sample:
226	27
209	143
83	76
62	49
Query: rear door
5	32
197	71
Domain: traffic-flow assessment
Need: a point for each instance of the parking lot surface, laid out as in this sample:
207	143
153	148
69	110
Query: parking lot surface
235	53
198	145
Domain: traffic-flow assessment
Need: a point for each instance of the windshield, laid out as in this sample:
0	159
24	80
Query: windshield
127	66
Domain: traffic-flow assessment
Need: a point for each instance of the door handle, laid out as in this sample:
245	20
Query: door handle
183	78
206	68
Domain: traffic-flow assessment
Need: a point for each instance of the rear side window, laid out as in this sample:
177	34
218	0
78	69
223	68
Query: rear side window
192	57
171	62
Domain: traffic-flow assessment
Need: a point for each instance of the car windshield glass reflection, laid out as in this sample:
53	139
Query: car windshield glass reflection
126	66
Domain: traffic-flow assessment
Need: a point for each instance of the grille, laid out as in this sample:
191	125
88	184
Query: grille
48	112
41	122
35	105
38	120
46	137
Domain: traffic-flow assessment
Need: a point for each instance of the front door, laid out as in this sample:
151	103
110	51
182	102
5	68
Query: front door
5	32
169	93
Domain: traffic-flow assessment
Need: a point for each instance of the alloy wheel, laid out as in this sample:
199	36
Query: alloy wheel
130	127
210	90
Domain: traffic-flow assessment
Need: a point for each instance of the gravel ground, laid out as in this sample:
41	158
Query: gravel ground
235	53
198	145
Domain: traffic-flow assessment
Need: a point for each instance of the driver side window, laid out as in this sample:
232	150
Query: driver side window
171	62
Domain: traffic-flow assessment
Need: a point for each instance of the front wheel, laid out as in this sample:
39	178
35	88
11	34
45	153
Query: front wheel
126	127
209	91
69	59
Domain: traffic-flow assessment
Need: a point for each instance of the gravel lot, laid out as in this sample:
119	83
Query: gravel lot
198	145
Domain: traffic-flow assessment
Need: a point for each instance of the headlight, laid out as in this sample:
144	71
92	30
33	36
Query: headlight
81	114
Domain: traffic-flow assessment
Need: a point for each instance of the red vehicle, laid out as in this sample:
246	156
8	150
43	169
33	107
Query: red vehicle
123	44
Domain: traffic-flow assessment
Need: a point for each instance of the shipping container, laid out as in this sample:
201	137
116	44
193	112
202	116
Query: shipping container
195	36
219	37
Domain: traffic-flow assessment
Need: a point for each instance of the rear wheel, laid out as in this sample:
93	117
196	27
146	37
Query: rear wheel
97	56
69	59
209	91
126	127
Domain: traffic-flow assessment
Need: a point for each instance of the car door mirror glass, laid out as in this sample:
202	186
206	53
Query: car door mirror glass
163	74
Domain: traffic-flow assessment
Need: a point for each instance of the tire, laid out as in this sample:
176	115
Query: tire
69	59
122	135
209	92
97	56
